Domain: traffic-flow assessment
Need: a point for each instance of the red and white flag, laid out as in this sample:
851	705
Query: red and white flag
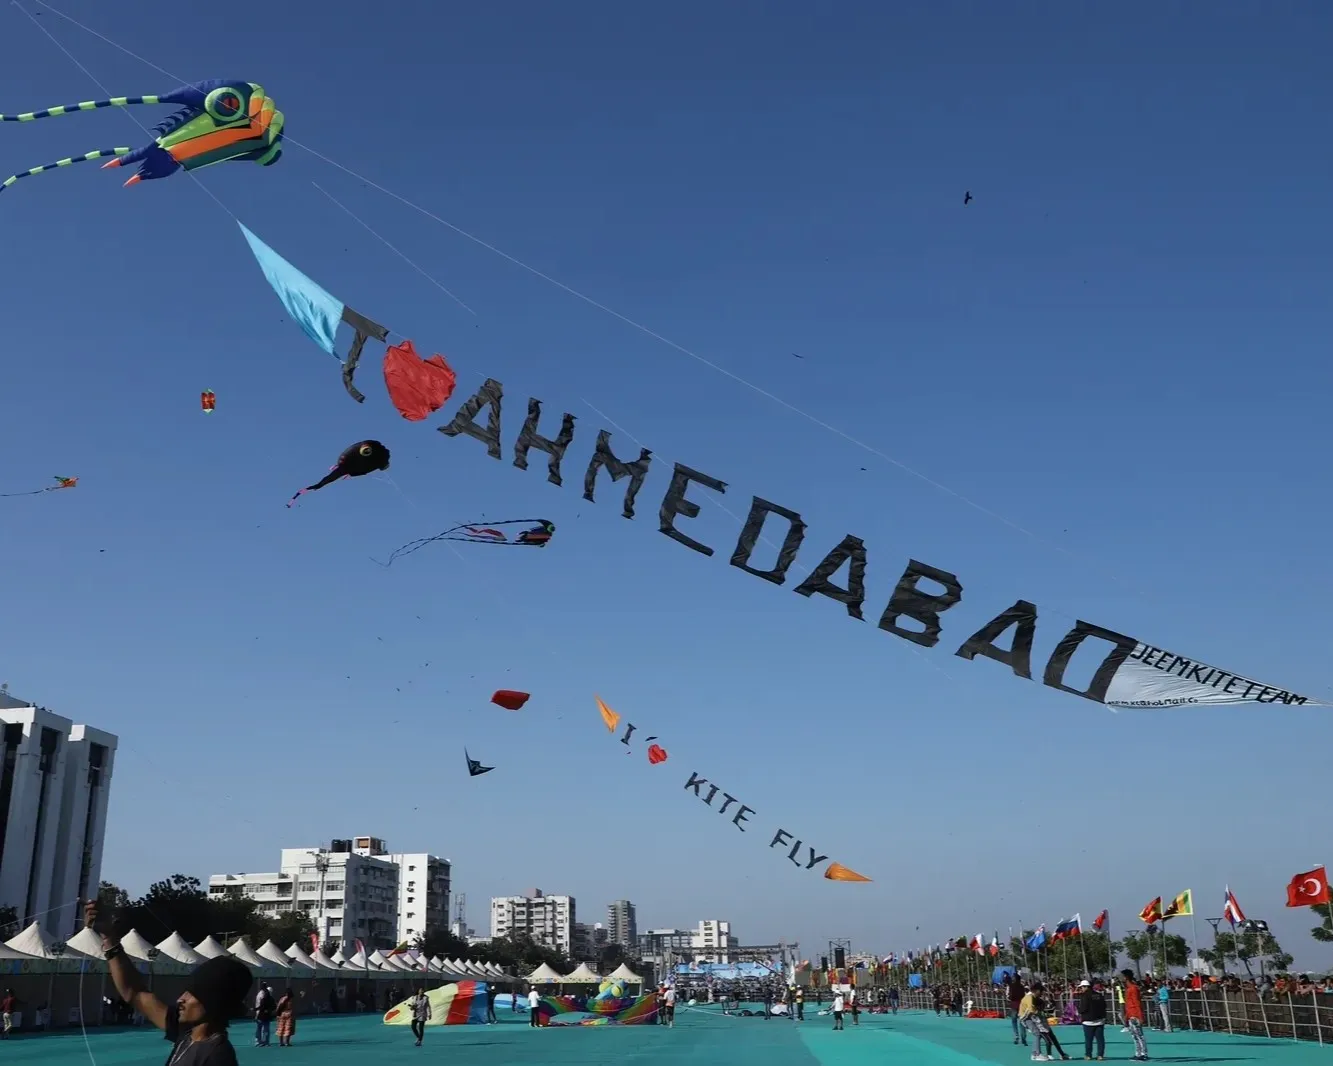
1100	920
1231	909
995	944
1308	889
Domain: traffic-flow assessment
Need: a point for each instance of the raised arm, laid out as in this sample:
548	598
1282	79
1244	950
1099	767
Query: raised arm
129	986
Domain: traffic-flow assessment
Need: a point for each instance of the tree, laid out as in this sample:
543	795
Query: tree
1168	949
1323	932
112	900
610	957
443	943
1137	947
1068	955
285	929
1246	946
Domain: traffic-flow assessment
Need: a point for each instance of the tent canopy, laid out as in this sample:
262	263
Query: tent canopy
544	973
583	974
85	942
624	973
176	948
242	950
272	954
210	948
33	943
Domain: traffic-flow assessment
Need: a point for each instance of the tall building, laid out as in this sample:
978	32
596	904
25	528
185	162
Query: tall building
622	924
348	895
423	893
55	783
588	941
713	941
546	919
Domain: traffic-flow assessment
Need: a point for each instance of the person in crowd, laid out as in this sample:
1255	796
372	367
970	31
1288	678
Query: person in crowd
800	1004
264	1010
1092	1012
7	1007
956	1003
937	994
669	999
286	1018
1164	1006
196	1024
893	999
838	1004
1134	1014
533	999
420	1007
492	990
853	1002
1032	1014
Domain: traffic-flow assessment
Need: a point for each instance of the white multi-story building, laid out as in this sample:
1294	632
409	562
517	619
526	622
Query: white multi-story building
423	892
712	942
546	919
622	924
348	895
55	782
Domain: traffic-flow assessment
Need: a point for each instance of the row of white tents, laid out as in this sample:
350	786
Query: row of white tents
42	953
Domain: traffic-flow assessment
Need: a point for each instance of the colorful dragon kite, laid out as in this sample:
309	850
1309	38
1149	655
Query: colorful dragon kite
220	121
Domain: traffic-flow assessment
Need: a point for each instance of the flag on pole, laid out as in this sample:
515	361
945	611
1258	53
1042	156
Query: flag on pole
1069	927
995	945
1101	920
1231	909
1180	907
1038	939
1308	889
1152	913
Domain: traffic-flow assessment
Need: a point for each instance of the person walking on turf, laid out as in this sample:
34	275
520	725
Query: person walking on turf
1092	1012
264	1005
533	1000
893	999
286	1018
1134	1015
1016	994
491	992
420	1007
838	1004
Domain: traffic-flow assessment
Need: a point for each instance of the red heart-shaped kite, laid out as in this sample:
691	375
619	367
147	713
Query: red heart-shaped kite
656	754
417	387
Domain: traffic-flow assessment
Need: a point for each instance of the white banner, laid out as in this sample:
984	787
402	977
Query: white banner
1154	677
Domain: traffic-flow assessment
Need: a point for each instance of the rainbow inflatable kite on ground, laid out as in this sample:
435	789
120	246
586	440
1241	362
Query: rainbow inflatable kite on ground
463	1003
572	1010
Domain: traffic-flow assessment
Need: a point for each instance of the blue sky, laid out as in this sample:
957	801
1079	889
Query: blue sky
1120	345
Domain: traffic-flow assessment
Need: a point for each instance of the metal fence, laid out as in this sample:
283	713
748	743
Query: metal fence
1215	1009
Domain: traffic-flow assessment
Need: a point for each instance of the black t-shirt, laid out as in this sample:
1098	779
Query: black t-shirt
185	1051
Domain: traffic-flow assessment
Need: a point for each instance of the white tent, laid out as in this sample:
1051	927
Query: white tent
338	957
176	949
377	961
245	953
543	974
86	942
581	975
624	973
136	946
33	942
210	948
297	955
323	962
358	961
271	953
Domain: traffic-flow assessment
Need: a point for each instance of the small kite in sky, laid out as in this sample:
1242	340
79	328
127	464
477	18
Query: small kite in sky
219	121
61	483
967	198
609	717
418	387
479	533
474	768
836	871
208	400
509	699
363	457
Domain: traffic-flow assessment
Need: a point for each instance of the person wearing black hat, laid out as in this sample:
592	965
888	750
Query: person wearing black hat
196	1024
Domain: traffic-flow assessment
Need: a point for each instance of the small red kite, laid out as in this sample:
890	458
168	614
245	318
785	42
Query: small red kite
509	699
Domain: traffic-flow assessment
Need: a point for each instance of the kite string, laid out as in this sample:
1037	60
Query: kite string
870	449
579	295
107	93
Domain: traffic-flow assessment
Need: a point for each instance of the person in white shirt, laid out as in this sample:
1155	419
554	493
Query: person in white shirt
533	1000
669	1000
837	1010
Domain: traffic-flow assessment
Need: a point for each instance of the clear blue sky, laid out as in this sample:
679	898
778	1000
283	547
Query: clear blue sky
1121	344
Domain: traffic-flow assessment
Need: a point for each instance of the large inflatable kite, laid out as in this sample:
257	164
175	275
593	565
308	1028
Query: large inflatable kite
463	1003
363	457
219	121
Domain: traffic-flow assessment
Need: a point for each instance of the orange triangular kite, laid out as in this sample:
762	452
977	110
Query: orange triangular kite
838	872
608	716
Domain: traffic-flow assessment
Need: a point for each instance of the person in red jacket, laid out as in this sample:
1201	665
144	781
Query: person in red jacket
1134	1015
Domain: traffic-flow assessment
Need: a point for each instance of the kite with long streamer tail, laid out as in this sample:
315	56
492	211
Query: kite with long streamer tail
485	533
219	121
61	483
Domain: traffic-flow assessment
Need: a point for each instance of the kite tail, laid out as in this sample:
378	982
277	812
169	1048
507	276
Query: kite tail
101	153
85	105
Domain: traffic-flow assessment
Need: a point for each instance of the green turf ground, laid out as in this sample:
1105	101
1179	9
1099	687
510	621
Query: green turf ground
702	1037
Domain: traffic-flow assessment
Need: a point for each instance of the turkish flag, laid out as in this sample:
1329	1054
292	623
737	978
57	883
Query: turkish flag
1308	888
